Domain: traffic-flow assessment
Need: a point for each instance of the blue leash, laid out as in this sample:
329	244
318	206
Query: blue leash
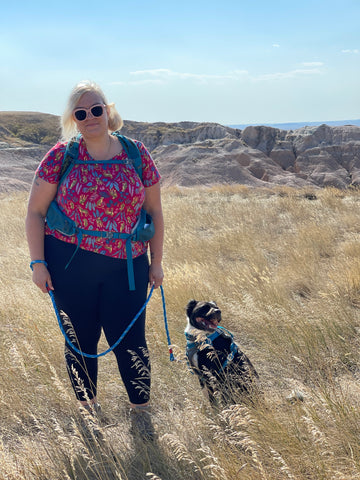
51	293
166	324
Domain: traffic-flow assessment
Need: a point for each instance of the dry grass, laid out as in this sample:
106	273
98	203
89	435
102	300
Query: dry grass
284	267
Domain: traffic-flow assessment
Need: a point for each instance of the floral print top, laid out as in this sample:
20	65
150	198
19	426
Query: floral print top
100	196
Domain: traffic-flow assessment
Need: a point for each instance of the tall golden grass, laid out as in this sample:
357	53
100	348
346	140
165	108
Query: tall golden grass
284	266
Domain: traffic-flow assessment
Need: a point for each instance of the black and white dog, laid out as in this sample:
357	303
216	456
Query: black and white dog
222	368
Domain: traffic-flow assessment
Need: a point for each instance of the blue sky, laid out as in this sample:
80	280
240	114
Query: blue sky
231	62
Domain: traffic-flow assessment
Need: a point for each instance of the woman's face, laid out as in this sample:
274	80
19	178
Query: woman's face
92	125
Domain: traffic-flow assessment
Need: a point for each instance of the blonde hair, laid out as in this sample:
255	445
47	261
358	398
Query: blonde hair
68	125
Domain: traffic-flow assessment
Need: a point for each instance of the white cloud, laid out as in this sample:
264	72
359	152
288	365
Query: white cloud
153	81
291	74
276	45
164	73
162	76
312	64
355	51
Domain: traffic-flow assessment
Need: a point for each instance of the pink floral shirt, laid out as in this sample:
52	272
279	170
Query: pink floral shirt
100	197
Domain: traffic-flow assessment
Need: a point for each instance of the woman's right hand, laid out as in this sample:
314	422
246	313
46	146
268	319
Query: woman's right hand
41	195
41	277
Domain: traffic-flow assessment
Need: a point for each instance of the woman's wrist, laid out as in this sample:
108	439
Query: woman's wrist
155	259
35	262
155	263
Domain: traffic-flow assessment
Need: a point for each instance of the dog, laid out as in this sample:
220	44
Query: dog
224	371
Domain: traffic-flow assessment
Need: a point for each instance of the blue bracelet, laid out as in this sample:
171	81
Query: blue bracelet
37	261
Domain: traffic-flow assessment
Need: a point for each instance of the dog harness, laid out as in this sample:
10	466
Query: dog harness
57	220
192	347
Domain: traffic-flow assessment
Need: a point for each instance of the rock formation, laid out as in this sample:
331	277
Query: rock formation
17	166
198	154
190	154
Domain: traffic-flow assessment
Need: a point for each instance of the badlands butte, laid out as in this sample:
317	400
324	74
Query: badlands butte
202	154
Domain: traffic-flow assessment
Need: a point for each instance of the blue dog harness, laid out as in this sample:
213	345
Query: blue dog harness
192	346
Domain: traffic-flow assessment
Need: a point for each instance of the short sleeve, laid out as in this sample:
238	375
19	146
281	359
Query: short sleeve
50	166
150	173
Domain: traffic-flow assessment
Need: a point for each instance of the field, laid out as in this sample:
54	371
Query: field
284	266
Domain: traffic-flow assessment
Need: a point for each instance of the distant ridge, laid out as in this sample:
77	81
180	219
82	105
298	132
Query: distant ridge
296	125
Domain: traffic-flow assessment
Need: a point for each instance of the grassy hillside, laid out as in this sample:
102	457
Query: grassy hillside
29	127
284	267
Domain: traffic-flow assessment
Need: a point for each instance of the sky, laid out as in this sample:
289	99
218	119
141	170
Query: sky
229	61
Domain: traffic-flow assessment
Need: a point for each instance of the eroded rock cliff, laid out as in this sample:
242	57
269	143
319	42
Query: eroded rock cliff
198	154
189	153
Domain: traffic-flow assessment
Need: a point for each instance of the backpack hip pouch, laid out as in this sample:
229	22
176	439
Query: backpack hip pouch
144	229
57	220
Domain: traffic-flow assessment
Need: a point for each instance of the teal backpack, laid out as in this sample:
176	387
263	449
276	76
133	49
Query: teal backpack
57	220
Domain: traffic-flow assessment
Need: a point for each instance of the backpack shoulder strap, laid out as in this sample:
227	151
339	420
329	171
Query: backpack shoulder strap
132	152
71	154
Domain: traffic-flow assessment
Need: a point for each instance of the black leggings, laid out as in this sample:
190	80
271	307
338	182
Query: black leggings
93	293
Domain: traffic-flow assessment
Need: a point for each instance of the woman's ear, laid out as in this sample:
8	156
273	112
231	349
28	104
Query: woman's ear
108	107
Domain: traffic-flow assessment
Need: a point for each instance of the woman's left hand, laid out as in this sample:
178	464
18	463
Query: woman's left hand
156	275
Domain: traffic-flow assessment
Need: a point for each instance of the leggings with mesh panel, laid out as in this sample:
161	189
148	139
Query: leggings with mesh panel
92	294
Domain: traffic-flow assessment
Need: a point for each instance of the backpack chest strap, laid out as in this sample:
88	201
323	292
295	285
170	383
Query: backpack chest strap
103	162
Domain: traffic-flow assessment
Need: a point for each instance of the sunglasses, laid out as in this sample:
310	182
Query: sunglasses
96	111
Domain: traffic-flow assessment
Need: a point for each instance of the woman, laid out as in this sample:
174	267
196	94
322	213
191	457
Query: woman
93	290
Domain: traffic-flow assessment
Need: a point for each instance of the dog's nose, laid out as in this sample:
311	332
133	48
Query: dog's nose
215	312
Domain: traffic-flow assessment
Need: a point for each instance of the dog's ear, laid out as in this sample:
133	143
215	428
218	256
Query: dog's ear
213	303
190	307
